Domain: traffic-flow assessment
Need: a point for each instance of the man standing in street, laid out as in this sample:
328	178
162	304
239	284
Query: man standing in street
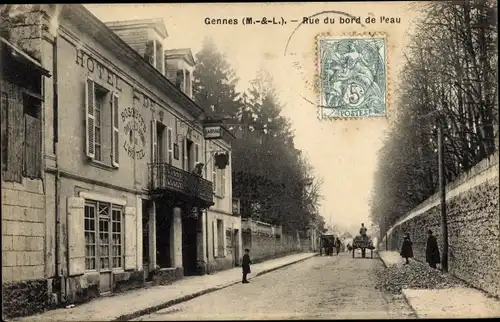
432	250
245	265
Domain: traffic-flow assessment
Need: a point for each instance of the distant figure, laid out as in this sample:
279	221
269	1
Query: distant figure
362	230
406	249
337	245
245	265
349	247
432	250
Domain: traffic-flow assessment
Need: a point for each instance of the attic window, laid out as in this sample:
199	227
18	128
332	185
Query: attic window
149	52
179	79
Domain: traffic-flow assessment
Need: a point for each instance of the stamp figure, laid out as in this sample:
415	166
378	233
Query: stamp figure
352	76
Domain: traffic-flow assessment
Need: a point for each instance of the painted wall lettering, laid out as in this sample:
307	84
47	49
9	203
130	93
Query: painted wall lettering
84	60
135	133
144	100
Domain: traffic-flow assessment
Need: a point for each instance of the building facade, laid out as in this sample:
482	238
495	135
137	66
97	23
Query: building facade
126	174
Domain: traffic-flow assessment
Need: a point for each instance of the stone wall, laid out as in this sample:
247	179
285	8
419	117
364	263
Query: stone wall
473	218
264	246
23	230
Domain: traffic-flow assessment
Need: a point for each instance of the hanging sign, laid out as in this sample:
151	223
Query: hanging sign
212	132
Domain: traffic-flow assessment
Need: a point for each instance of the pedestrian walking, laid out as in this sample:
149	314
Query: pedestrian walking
337	245
245	265
432	250
406	249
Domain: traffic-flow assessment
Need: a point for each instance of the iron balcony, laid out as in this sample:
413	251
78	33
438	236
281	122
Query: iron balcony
165	178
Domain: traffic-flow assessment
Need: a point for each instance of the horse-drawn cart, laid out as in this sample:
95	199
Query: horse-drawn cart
362	242
327	242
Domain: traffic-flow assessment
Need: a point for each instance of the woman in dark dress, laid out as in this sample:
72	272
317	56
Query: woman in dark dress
432	250
406	249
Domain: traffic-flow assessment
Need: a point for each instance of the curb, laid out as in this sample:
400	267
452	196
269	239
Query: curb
409	304
149	310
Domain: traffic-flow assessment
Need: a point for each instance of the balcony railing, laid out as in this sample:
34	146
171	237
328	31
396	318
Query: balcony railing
164	176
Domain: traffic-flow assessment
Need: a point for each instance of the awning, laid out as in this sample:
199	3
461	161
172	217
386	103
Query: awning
24	58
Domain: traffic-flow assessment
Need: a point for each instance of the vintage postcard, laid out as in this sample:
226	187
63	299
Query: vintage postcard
250	161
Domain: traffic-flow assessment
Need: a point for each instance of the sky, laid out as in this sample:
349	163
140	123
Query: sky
343	153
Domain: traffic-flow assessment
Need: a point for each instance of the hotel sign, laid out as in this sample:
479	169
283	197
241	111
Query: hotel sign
212	131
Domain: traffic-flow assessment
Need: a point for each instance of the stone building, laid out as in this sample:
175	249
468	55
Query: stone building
126	174
23	193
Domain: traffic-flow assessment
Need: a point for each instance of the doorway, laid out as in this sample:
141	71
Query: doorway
236	247
164	214
145	239
191	225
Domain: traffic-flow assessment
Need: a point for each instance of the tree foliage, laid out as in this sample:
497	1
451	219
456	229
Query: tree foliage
451	71
270	176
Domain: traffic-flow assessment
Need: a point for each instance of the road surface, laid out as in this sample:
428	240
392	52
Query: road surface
318	288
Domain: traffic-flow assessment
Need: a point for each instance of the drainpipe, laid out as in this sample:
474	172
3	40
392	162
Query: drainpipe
206	212
57	227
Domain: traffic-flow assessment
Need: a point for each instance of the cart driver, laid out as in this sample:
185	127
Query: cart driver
363	230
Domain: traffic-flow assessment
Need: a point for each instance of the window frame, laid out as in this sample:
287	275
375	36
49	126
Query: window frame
95	204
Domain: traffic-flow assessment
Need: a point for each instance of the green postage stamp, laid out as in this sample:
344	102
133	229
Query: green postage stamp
352	72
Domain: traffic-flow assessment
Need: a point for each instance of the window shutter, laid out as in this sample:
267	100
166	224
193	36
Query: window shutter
186	156
197	152
115	150
224	239
216	246
153	141
223	182
170	145
130	238
76	235
90	117
214	176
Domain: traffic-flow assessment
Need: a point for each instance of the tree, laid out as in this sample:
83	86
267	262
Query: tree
269	174
214	85
451	70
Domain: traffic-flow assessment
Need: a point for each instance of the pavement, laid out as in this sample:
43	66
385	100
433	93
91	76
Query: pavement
455	302
322	287
132	304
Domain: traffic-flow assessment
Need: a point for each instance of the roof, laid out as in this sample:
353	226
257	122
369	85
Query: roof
21	56
181	52
83	17
157	23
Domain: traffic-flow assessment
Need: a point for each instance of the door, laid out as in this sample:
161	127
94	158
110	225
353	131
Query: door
236	247
145	238
104	255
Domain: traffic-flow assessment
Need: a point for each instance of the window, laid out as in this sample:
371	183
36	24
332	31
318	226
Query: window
99	103
149	53
102	124
103	236
32	107
170	145
160	130
222	182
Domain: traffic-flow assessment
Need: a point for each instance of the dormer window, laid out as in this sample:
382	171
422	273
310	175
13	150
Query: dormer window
149	53
154	55
179	79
